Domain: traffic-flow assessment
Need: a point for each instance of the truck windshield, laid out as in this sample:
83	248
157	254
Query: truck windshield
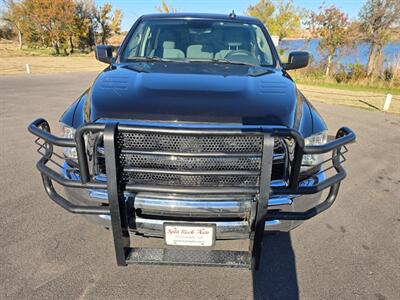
199	40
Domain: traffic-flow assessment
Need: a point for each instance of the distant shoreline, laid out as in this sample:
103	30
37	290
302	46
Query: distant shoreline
297	38
316	38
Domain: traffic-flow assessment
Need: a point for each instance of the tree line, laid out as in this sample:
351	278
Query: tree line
376	24
69	24
64	25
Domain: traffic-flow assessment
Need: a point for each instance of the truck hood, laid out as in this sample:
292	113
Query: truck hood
194	92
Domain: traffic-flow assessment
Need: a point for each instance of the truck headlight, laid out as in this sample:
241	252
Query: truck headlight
312	160
69	133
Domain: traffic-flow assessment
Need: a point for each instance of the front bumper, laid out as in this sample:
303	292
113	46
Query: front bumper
159	204
288	204
257	185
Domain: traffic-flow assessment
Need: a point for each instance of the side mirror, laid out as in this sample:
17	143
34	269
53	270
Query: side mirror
104	53
297	60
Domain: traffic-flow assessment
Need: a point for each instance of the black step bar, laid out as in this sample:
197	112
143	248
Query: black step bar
189	257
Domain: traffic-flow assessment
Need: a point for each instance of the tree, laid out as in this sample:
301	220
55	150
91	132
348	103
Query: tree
103	18
116	20
79	27
84	25
61	24
50	20
331	25
378	17
287	19
164	8
6	31
264	11
109	23
280	17
14	16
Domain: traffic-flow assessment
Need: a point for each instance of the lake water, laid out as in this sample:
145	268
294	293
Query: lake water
358	54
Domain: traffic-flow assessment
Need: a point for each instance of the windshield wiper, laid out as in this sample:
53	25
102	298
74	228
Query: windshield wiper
214	61
149	59
220	61
226	61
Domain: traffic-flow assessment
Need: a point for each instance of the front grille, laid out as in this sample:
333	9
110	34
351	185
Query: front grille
190	144
176	160
179	163
190	180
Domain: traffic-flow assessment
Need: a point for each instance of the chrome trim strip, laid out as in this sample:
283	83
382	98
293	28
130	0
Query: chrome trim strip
194	197
225	230
102	195
99	194
281	200
279	182
192	207
271	223
154	205
276	156
284	202
188	125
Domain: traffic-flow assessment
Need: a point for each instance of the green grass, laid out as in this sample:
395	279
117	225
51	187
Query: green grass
370	101
43	52
49	64
351	86
8	49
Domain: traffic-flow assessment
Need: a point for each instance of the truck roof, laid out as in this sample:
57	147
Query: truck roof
200	16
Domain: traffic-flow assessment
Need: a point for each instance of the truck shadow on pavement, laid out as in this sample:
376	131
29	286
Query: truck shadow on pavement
276	277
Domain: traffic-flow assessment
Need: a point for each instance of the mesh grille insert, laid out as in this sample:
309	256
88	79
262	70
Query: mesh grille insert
140	153
189	180
183	163
190	144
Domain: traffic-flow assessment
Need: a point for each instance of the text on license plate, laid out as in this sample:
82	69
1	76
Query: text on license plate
189	235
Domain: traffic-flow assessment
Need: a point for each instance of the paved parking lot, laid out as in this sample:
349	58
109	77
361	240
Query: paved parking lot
349	252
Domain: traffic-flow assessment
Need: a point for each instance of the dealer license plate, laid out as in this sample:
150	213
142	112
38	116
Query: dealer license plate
189	234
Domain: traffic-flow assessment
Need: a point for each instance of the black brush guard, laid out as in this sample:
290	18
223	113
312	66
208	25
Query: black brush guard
126	254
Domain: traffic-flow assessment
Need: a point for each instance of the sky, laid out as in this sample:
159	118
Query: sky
132	9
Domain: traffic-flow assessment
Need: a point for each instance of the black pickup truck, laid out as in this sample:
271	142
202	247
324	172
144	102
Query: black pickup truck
193	133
